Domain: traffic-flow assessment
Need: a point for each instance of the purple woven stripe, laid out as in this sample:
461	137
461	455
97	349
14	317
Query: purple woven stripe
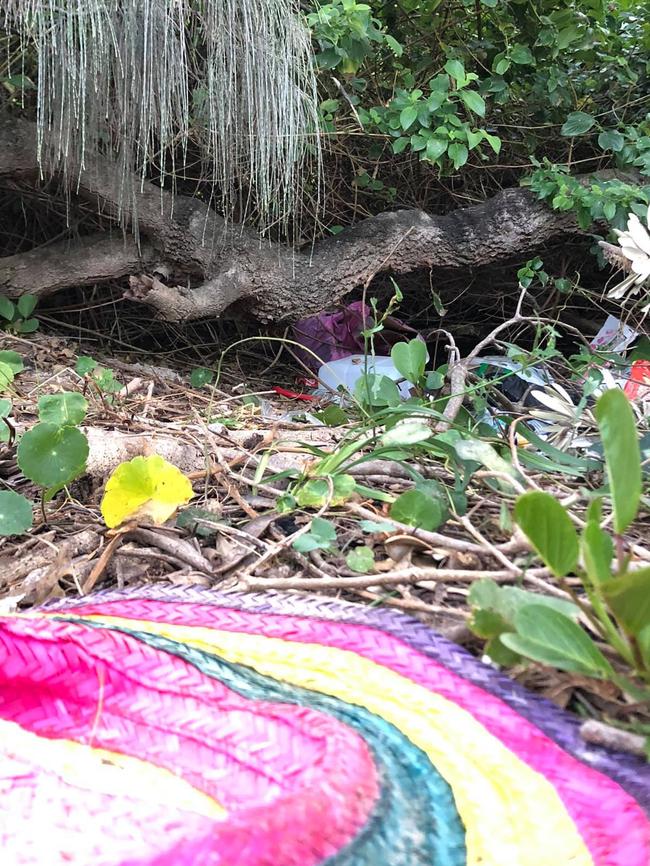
633	774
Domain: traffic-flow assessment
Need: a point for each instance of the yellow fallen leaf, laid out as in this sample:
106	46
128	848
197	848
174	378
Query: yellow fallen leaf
145	488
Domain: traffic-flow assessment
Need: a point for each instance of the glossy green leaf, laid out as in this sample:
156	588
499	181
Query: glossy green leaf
321	536
549	637
577	123
408	116
85	364
377	390
7	309
67	408
407	433
435	148
26	305
456	70
410	359
434	381
507	601
361	559
51	456
417	509
317	491
332	416
458	154
597	550
13	360
15	513
474	101
522	55
400	144
549	529
611	140
6	375
499	652
567	35
628	598
494	141
622	455
200	376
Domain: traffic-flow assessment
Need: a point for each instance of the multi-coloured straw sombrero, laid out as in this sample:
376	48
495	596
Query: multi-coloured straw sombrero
182	728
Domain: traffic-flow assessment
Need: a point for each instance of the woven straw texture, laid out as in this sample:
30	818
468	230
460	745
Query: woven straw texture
180	727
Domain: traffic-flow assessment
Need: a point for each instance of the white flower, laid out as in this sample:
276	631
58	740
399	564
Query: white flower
635	250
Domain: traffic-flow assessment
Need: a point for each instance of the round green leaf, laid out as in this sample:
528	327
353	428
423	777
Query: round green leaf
52	456
522	55
26	305
417	509
85	364
410	359
377	390
200	376
13	360
548	527
27	326
361	560
68	408
15	513
7	309
611	140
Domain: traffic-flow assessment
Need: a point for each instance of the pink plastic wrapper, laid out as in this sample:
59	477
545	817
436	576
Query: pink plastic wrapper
338	334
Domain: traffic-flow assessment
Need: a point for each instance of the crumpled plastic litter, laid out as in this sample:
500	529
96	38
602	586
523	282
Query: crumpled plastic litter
338	334
346	372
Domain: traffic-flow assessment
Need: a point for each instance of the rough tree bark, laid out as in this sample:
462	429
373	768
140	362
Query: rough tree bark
189	263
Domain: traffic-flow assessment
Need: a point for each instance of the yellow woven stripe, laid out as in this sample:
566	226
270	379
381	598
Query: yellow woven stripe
512	814
107	772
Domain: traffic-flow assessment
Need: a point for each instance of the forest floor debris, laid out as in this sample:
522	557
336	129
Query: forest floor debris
240	532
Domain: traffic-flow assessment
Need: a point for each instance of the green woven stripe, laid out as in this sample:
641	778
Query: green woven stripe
415	822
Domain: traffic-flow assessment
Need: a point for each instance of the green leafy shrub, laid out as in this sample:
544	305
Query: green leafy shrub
54	452
102	379
18	316
607	201
51	454
616	602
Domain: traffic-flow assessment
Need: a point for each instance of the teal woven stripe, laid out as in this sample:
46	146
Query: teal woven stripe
415	822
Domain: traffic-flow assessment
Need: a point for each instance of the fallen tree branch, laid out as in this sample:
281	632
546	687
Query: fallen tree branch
46	270
427	577
192	264
600	734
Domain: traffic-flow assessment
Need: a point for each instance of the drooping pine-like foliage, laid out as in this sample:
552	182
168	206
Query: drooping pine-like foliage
128	79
